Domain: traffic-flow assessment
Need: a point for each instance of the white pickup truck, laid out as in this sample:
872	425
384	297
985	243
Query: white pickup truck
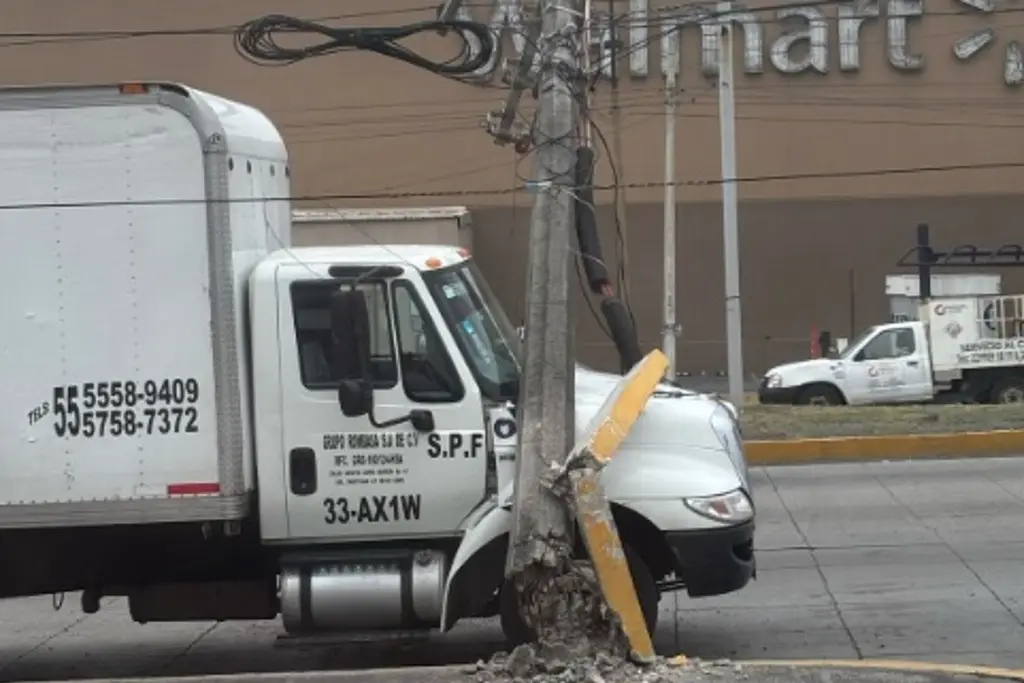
969	347
219	426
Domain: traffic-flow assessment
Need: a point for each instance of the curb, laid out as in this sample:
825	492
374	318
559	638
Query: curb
449	672
874	448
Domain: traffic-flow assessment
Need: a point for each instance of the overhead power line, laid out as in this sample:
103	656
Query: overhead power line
624	19
526	187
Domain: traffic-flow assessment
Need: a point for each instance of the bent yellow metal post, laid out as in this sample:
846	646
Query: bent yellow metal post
605	433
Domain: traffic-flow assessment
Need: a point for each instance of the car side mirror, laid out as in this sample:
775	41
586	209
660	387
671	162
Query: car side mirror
350	352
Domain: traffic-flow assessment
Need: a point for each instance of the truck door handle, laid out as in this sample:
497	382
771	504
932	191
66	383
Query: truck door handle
302	471
912	363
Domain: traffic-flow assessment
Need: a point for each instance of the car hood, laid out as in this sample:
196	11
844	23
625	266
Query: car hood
678	429
801	372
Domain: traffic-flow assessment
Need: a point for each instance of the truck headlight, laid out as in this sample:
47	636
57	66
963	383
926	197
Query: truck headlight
733	507
772	381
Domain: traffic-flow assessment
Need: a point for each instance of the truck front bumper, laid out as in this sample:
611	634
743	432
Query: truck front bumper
714	561
777	395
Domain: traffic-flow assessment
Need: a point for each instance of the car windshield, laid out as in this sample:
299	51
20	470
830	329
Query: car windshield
485	336
857	341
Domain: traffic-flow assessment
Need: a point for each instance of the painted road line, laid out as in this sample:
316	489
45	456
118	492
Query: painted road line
896	447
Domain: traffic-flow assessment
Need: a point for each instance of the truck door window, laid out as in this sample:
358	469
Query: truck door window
895	343
428	373
311	310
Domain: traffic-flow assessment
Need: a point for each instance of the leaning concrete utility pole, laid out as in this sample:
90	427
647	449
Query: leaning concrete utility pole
541	539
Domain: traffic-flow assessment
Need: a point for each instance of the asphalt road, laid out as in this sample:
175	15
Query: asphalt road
920	560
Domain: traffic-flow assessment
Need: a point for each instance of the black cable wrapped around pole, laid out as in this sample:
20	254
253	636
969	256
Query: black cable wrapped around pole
586	224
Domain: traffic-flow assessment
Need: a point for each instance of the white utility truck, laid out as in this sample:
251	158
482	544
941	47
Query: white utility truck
971	348
218	426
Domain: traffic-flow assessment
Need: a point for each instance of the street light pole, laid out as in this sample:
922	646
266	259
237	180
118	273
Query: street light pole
670	68
730	220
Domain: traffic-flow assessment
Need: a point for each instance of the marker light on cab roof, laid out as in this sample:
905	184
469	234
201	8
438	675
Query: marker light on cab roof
463	252
433	262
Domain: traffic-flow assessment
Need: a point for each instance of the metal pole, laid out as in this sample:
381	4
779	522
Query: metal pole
670	67
585	132
621	215
541	535
730	227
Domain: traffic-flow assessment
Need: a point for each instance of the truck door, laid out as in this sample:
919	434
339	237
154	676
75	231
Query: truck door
891	368
347	479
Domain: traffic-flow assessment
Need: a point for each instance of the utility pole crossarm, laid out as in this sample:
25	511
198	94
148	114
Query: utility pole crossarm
520	76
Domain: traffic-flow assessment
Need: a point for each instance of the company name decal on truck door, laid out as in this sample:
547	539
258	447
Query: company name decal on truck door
123	408
369	458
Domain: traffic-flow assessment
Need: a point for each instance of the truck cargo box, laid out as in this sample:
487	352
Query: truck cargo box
130	218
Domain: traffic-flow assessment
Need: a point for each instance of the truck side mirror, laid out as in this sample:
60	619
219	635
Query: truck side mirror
352	363
350	351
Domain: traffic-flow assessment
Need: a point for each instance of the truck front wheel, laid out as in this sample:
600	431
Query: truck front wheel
517	632
820	395
1008	390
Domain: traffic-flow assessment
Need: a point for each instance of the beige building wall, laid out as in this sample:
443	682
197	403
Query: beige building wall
821	222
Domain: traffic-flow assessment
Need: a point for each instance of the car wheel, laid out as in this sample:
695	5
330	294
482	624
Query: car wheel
517	632
1008	390
820	395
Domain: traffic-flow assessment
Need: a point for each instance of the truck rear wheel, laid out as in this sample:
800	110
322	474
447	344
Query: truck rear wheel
517	632
1008	390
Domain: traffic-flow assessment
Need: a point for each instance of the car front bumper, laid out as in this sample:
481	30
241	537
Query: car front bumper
714	561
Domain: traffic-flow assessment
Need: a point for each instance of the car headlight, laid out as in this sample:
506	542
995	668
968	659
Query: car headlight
733	507
773	380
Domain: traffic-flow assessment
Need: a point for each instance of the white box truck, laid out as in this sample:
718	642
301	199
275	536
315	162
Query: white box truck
969	347
217	425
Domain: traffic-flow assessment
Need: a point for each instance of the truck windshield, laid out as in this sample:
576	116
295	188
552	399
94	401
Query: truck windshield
856	342
483	332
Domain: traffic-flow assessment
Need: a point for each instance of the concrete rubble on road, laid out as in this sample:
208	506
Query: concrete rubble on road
534	663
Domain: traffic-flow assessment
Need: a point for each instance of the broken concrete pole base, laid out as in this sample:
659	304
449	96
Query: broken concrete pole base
565	610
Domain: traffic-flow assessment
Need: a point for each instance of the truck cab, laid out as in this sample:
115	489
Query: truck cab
427	464
884	364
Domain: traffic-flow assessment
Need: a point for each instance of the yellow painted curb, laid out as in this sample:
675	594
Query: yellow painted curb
905	666
895	447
